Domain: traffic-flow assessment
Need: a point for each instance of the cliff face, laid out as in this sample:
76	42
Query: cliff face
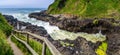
86	8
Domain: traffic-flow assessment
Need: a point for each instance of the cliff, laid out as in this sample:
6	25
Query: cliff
86	8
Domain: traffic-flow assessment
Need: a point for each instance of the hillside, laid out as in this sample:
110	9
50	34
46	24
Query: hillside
5	30
86	8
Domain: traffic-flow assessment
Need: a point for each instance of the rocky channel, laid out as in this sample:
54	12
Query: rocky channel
79	46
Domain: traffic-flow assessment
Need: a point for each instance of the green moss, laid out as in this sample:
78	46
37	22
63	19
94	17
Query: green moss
95	22
86	8
102	49
66	44
116	24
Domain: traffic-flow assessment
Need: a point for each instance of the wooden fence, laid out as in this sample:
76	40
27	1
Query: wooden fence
46	42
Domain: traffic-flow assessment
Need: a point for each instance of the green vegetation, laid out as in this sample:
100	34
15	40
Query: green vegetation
86	8
102	49
37	46
4	26
5	29
5	49
95	22
66	44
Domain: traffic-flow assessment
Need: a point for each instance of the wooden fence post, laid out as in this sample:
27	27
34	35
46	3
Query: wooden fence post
44	49
27	38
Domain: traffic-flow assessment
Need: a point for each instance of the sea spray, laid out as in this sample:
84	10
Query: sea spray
62	35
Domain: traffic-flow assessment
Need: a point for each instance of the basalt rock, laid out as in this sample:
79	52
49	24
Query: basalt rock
65	22
80	46
113	43
37	30
40	16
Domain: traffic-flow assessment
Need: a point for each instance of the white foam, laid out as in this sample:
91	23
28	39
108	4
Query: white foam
33	21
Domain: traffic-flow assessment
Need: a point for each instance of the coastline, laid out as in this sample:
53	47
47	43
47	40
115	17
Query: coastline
89	25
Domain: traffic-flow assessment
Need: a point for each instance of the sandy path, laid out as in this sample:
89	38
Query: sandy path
16	50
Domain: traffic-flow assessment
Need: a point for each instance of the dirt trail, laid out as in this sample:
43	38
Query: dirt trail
16	50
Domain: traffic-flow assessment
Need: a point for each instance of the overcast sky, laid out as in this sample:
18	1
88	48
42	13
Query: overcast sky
25	3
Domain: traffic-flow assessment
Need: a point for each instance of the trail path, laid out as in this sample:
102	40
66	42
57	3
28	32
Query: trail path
16	50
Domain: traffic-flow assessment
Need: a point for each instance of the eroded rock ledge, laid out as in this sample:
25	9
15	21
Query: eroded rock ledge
73	24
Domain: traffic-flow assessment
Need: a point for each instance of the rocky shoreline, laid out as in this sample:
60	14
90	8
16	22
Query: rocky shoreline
108	26
80	46
26	26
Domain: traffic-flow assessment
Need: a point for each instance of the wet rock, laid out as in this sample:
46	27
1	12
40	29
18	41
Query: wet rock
83	47
37	30
11	20
40	16
113	44
80	47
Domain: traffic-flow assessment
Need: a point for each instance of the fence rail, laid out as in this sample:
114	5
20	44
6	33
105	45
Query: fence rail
52	48
27	45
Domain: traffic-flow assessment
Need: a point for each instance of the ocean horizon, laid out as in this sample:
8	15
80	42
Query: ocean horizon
20	10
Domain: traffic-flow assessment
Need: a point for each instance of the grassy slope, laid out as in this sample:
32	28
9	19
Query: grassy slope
5	30
86	8
4	26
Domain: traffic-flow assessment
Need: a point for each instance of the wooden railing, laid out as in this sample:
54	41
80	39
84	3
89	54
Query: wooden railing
27	45
46	42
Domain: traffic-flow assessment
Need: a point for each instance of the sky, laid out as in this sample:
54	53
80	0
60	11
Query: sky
25	3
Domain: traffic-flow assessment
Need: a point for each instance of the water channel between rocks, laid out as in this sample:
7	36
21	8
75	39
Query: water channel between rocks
55	32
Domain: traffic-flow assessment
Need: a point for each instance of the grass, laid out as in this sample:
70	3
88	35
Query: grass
87	8
5	30
5	48
4	26
37	46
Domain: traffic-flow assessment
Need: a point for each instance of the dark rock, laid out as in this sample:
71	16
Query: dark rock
37	30
11	20
81	47
40	16
113	44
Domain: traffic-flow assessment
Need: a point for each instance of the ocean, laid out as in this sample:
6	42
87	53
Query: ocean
22	15
20	10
